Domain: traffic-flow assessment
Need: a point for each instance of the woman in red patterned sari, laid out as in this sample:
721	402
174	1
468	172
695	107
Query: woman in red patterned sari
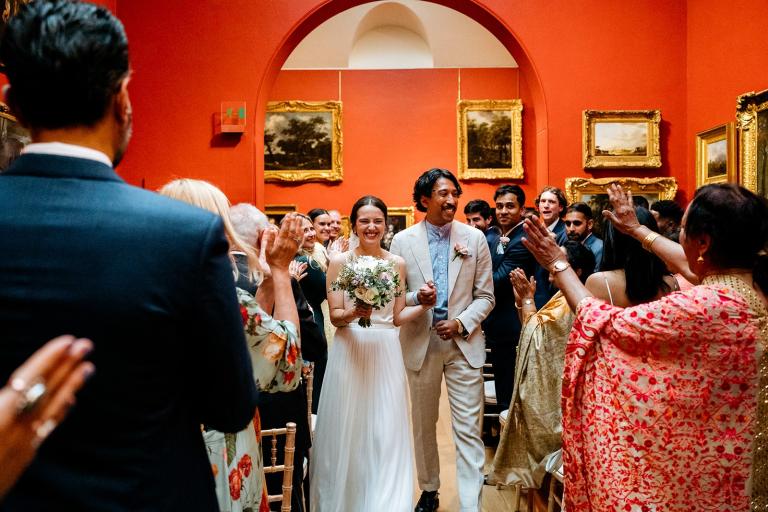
660	400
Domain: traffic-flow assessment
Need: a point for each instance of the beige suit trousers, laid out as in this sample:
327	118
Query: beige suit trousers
465	396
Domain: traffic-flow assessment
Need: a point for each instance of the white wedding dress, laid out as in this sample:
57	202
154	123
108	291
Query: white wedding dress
362	455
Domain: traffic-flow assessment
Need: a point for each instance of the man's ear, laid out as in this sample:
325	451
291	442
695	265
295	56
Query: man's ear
122	104
590	223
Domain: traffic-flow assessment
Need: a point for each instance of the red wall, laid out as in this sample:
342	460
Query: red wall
188	57
727	56
396	124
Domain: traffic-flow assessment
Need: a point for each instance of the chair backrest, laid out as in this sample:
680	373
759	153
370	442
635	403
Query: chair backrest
309	377
286	467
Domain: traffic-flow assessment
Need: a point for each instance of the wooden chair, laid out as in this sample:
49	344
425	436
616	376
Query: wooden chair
556	492
286	467
309	378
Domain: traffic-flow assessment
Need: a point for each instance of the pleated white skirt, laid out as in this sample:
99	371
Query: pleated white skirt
362	456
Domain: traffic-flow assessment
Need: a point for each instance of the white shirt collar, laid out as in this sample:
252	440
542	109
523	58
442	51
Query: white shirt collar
551	227
70	150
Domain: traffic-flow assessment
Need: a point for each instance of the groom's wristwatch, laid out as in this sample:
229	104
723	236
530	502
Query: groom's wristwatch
462	330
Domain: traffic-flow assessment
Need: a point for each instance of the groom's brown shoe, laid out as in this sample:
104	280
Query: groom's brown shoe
428	502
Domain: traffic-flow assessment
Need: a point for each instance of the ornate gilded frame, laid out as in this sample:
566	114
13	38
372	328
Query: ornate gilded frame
515	110
576	188
336	170
276	212
724	132
592	160
10	146
749	108
403	211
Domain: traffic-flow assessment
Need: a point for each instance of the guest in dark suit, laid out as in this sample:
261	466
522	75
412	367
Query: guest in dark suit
578	226
146	278
502	327
479	214
551	204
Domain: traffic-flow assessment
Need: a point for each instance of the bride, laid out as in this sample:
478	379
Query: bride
362	458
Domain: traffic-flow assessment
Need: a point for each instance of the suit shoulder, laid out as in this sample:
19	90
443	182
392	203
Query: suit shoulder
407	231
164	209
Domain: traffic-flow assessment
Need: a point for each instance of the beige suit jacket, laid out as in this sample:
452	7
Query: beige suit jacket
470	290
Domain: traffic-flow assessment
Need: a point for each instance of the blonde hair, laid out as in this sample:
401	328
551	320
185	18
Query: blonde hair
318	255
208	197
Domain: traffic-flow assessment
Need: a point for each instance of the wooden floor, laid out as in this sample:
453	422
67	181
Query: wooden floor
494	500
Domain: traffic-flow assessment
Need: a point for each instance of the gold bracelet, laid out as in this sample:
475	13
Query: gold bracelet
648	241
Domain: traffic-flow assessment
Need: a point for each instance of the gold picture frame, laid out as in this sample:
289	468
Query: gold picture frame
716	155
13	137
276	212
492	160
752	121
621	138
593	192
576	189
398	219
289	155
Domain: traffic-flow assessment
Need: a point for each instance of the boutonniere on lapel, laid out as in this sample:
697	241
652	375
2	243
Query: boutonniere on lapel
460	251
503	242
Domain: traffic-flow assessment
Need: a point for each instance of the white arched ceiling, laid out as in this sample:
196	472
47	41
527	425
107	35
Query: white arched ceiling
399	34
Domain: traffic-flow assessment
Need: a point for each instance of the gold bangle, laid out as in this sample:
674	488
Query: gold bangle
648	241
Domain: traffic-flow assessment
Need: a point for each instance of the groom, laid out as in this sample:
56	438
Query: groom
449	267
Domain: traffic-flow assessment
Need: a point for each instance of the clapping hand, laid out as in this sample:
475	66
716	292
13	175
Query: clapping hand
341	244
623	215
280	247
297	269
36	399
427	294
540	242
522	286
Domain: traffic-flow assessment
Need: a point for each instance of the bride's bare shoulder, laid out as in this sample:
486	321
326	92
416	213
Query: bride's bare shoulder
397	260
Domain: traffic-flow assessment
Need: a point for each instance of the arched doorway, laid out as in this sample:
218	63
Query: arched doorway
535	137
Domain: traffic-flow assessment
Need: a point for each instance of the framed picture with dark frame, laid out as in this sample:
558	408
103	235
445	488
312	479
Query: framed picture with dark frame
303	141
13	137
490	136
593	192
276	212
716	155
621	138
752	120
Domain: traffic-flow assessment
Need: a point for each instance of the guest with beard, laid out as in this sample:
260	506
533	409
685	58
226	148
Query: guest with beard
578	226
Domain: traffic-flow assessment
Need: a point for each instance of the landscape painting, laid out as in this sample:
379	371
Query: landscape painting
490	139
716	155
302	141
621	138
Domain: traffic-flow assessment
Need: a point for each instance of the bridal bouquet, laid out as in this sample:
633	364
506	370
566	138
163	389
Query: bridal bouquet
369	280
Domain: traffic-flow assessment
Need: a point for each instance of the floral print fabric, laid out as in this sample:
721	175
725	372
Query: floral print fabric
236	459
659	404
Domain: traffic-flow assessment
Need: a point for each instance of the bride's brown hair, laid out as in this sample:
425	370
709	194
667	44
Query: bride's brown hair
366	201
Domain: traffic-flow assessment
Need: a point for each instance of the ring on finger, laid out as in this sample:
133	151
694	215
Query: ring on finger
30	394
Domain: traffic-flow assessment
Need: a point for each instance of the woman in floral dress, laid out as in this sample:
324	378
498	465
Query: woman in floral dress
660	400
236	459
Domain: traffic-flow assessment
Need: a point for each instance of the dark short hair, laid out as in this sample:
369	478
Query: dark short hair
316	212
640	202
668	209
511	189
426	182
582	208
736	220
643	271
580	258
479	206
557	192
367	201
65	61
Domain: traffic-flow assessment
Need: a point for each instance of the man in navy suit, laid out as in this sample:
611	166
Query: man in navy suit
502	327
578	226
145	277
551	204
